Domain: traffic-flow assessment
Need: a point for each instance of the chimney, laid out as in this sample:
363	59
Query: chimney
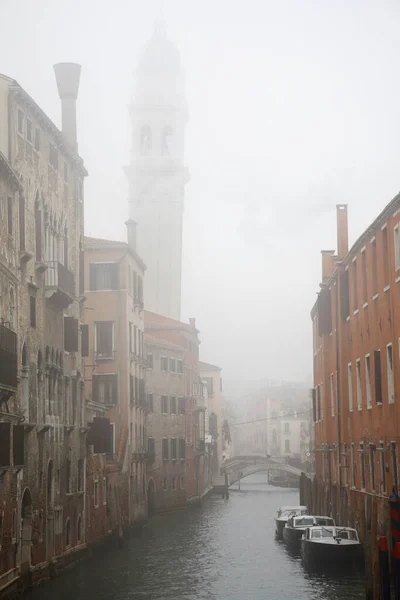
67	76
327	264
342	230
131	229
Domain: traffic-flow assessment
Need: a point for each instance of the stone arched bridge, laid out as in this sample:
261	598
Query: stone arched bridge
239	467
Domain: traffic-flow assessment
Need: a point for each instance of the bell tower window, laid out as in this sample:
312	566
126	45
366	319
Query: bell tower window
145	140
166	141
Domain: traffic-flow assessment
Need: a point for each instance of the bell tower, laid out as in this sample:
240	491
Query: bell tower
156	172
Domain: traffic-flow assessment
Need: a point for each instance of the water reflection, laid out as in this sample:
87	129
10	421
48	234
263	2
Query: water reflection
225	550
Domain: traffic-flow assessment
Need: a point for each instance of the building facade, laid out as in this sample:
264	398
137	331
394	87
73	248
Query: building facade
115	376
186	336
356	344
43	435
156	172
166	423
211	376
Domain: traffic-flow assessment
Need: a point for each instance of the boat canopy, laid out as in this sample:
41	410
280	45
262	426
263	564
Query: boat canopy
345	533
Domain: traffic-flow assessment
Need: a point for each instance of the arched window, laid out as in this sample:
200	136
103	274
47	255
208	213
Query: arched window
68	533
167	141
50	484
145	140
79	529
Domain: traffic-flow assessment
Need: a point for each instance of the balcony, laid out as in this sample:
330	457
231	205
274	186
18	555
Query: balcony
8	358
59	284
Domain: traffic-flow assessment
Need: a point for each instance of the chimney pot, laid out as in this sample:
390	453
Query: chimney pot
67	77
342	230
192	323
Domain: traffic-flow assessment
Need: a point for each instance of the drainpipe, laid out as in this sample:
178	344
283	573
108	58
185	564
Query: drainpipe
339	433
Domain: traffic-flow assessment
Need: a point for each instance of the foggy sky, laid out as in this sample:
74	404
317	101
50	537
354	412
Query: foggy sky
294	107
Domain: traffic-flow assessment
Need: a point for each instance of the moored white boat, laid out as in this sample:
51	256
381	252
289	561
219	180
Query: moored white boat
284	513
326	546
296	527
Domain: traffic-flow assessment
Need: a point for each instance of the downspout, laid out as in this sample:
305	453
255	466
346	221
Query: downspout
339	433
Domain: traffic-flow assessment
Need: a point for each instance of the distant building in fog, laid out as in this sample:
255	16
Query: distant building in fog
156	173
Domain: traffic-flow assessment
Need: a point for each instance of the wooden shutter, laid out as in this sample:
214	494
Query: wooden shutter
114	268
85	340
344	295
378	376
92	276
71	328
18	445
5	448
81	272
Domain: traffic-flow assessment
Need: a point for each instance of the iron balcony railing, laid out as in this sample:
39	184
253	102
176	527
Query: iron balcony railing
8	357
58	276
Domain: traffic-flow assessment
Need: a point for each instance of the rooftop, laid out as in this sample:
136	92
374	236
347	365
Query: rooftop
93	243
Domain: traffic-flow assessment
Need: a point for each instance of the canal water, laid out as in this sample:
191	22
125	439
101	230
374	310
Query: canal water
224	550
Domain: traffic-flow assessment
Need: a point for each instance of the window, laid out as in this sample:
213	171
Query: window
104	491
182	449
181	406
79	529
80	475
165	454
149	361
286	427
364	276
344	294
287	445
179	364
20	122
385	250
32	310
359	388
172	365
368	380
150	402
164	363
350	383
372	466
68	476
164	405
53	156
382	467
173	449
182	482
104	276
165	484
374	268
14	525
68	533
393	450
37	139
173	483
345	465
58	521
319	414
396	248
29	135
172	405
352	466
105	389
104	340
65	172
10	215
274	436
378	376
332	395
362	465
209	383
389	361
96	493
355	285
